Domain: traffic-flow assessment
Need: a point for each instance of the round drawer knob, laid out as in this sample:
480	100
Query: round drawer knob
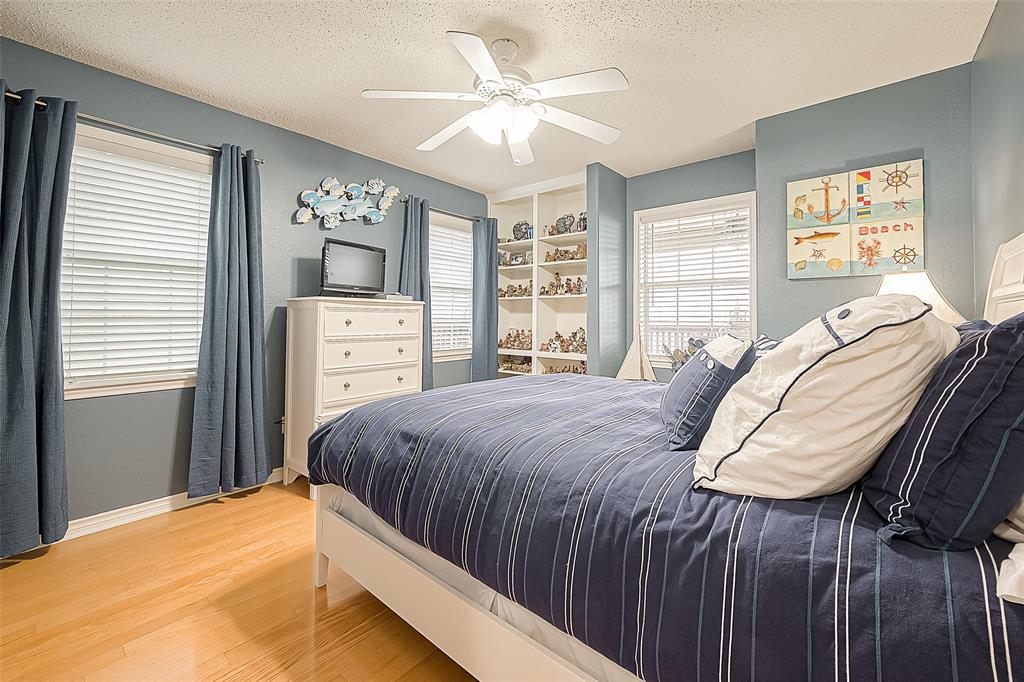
348	323
400	350
347	385
400	378
401	322
348	354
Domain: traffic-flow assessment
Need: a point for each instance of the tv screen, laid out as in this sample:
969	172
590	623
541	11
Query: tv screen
352	268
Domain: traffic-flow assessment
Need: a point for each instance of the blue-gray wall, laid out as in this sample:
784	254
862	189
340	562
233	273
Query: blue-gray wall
607	282
718	177
926	117
128	449
997	94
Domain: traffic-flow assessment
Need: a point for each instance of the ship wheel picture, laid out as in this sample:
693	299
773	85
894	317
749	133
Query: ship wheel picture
898	177
905	255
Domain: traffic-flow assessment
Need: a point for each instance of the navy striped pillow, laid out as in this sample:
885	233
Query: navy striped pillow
956	468
693	395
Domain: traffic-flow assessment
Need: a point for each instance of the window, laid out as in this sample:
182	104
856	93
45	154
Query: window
694	272
451	286
134	263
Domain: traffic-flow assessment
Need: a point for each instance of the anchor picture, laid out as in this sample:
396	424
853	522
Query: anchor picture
827	215
817	202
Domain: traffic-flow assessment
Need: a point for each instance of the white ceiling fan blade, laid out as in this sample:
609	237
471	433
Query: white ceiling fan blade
580	124
445	134
522	154
603	80
477	54
420	94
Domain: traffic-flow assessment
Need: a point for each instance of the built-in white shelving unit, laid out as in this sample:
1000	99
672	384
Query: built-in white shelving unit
541	204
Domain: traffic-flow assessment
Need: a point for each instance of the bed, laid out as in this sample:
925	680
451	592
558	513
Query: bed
540	528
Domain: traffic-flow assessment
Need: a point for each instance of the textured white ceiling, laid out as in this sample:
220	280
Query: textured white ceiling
700	73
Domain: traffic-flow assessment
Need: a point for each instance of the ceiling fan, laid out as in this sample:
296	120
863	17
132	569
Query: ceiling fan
512	101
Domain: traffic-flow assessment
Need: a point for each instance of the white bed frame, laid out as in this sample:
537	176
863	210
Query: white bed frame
486	646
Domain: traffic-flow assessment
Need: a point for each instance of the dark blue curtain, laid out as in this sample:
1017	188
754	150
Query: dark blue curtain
485	300
414	277
229	438
34	169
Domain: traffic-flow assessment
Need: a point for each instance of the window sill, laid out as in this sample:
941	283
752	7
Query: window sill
452	355
97	390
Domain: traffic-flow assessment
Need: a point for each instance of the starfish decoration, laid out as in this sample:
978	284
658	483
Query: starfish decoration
817	254
899	205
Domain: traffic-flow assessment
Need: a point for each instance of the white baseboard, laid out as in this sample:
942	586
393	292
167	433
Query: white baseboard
118	517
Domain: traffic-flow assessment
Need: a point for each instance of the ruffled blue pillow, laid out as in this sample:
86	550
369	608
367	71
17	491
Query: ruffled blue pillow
693	395
956	468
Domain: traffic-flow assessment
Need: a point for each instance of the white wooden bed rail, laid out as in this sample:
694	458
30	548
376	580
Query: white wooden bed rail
486	646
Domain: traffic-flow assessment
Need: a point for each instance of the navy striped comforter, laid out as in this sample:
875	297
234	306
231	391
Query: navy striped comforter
560	492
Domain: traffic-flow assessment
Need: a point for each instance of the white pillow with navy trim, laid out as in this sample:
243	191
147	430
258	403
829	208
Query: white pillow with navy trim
811	417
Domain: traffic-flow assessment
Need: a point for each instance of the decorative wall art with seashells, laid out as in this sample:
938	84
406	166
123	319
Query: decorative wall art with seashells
334	202
868	221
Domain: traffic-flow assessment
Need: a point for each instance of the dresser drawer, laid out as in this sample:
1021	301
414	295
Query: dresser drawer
381	322
332	413
346	353
343	387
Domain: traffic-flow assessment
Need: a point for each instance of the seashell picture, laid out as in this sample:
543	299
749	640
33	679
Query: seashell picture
334	202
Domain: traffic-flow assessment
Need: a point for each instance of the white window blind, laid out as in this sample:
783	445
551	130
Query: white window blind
451	288
694	277
134	262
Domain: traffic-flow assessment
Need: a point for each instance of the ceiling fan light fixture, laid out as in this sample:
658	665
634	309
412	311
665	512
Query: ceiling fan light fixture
523	122
509	96
483	123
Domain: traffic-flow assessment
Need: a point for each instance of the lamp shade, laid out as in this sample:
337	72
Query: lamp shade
918	283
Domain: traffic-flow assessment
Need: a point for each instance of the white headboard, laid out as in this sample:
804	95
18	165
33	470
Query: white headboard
1006	288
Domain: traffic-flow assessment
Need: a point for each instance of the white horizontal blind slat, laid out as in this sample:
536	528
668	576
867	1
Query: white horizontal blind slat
451	288
694	277
133	268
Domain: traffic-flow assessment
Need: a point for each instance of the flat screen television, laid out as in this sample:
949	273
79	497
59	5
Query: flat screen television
351	269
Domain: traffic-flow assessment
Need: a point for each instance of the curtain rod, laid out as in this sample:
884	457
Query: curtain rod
210	149
451	214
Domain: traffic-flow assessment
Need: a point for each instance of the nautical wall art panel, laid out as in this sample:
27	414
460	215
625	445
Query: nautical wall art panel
887	246
818	201
865	222
823	252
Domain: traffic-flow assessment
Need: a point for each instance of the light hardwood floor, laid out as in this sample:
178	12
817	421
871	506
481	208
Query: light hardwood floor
223	590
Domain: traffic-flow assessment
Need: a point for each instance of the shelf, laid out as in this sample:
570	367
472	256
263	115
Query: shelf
521	245
557	296
561	356
562	263
512	351
515	298
566	238
517	374
514	268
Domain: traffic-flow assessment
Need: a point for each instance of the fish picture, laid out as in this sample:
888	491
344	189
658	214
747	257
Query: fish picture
813	254
815	238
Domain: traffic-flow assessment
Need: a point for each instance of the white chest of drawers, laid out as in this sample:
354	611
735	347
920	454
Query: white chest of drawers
343	353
